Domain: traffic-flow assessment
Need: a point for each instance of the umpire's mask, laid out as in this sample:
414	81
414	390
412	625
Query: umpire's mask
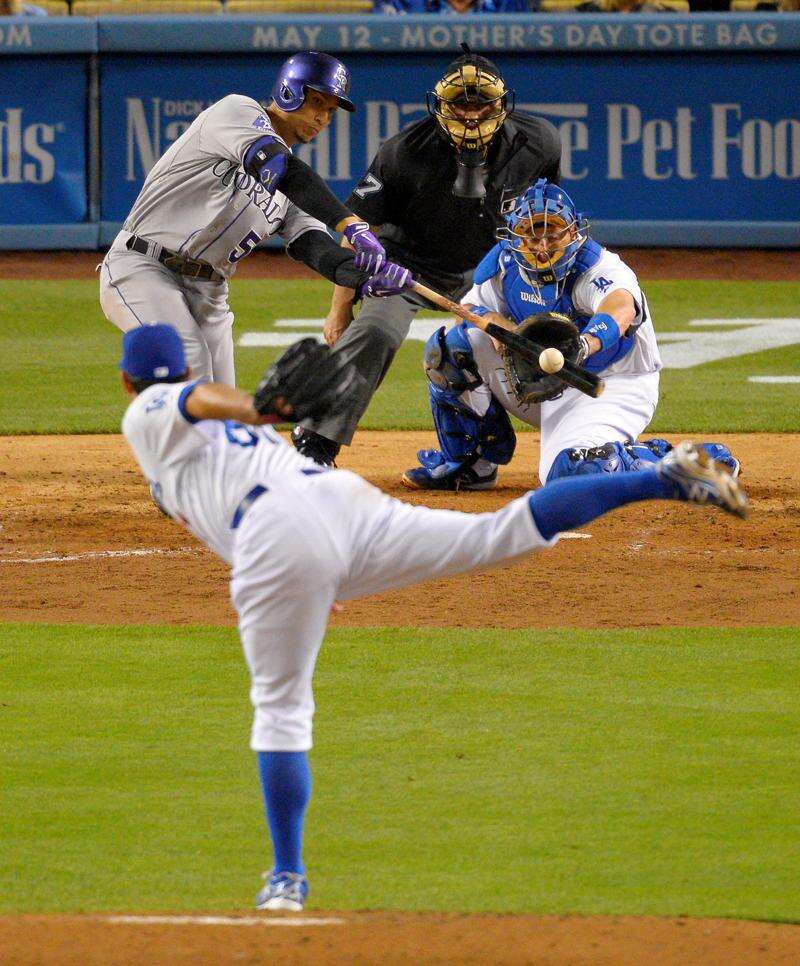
470	103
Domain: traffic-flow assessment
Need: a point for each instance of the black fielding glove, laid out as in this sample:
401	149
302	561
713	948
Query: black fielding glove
310	377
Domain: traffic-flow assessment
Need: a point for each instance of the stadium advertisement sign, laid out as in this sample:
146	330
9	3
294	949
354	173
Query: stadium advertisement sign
43	142
645	137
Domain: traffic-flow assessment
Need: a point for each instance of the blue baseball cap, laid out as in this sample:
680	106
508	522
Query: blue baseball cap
153	351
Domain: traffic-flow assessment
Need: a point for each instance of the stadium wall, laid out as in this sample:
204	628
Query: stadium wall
680	131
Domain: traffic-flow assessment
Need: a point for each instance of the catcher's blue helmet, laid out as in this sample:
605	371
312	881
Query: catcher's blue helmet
545	232
316	70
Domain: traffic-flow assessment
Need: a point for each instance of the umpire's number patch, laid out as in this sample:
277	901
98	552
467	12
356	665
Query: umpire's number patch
368	186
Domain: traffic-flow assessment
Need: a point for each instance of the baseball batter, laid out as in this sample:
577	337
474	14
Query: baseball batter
545	261
229	181
298	536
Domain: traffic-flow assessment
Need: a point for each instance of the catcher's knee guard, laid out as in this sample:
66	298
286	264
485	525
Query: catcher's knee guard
464	437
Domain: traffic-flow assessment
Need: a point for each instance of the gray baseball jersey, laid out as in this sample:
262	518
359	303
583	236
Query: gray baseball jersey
199	201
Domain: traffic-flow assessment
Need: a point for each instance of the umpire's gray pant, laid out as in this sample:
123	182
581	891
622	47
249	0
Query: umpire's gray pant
371	342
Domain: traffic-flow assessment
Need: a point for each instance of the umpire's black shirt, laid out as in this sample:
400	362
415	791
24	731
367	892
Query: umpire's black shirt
408	191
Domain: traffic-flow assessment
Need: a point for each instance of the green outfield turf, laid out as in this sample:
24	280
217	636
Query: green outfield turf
594	771
57	357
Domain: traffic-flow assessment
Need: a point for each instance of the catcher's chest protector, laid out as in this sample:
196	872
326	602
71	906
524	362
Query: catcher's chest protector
524	299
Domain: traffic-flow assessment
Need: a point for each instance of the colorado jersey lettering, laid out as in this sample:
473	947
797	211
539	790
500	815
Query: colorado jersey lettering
199	201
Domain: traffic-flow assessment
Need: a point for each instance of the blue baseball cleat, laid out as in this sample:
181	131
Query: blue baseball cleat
283	892
700	479
421	478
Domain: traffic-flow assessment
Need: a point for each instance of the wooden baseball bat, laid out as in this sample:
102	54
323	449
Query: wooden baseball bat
573	375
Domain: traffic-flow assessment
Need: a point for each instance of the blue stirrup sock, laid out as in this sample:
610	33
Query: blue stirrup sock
568	503
286	784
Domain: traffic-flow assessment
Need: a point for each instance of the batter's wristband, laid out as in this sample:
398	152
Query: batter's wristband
604	328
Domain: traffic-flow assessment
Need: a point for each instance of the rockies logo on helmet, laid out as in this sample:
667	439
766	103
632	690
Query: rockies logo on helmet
312	70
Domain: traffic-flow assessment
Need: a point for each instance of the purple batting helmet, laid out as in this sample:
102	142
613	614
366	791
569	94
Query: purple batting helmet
316	70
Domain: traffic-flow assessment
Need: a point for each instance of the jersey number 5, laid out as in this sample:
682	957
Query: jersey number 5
245	246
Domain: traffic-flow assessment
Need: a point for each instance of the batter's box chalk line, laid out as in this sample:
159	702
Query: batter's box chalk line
96	554
296	921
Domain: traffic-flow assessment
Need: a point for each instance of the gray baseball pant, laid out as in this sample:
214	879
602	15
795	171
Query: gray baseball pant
371	342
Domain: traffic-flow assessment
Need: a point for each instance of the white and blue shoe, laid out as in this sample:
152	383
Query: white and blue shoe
698	478
283	892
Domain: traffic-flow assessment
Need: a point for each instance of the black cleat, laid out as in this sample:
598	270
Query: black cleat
318	448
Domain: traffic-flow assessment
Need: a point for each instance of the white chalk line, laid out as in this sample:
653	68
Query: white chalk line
575	535
295	921
96	554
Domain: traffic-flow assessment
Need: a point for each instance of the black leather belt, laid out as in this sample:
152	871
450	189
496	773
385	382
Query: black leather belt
190	267
246	502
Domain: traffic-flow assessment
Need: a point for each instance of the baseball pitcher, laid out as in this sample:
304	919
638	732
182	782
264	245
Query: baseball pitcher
226	183
299	536
549	281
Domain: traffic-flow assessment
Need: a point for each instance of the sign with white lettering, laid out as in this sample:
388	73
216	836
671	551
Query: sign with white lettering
645	138
42	142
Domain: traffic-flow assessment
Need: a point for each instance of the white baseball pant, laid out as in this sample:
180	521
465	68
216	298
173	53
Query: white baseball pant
332	536
620	414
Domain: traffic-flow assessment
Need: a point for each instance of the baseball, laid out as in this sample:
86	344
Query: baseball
551	360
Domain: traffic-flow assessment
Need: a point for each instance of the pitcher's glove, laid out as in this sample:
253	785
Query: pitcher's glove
313	379
545	329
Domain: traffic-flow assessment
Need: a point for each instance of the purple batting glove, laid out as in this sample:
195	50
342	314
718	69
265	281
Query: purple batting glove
390	280
370	254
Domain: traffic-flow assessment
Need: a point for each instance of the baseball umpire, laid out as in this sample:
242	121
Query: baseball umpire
299	536
226	183
435	191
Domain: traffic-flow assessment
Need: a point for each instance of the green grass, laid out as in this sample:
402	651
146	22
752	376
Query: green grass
58	356
640	772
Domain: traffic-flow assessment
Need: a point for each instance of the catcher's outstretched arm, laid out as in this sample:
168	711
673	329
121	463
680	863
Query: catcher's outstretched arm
573	375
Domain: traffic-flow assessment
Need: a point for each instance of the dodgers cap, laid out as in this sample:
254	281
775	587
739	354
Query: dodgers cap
153	351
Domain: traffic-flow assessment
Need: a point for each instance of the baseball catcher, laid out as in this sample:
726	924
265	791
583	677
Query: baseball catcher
593	310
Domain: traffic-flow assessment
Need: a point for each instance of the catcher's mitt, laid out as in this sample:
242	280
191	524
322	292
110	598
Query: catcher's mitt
313	379
545	329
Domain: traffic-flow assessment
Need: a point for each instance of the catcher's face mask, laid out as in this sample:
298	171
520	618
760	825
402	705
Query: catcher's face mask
470	103
545	233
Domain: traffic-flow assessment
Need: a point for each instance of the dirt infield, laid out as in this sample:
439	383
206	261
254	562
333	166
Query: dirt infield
81	541
395	938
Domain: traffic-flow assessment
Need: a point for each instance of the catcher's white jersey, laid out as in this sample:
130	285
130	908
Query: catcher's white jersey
199	201
199	471
608	274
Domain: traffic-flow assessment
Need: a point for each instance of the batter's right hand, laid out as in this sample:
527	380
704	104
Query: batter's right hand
336	324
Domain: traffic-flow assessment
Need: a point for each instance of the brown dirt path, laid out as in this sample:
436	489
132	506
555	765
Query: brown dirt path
81	501
402	938
649	263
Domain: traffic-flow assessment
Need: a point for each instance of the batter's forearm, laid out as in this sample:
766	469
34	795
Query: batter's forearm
334	262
